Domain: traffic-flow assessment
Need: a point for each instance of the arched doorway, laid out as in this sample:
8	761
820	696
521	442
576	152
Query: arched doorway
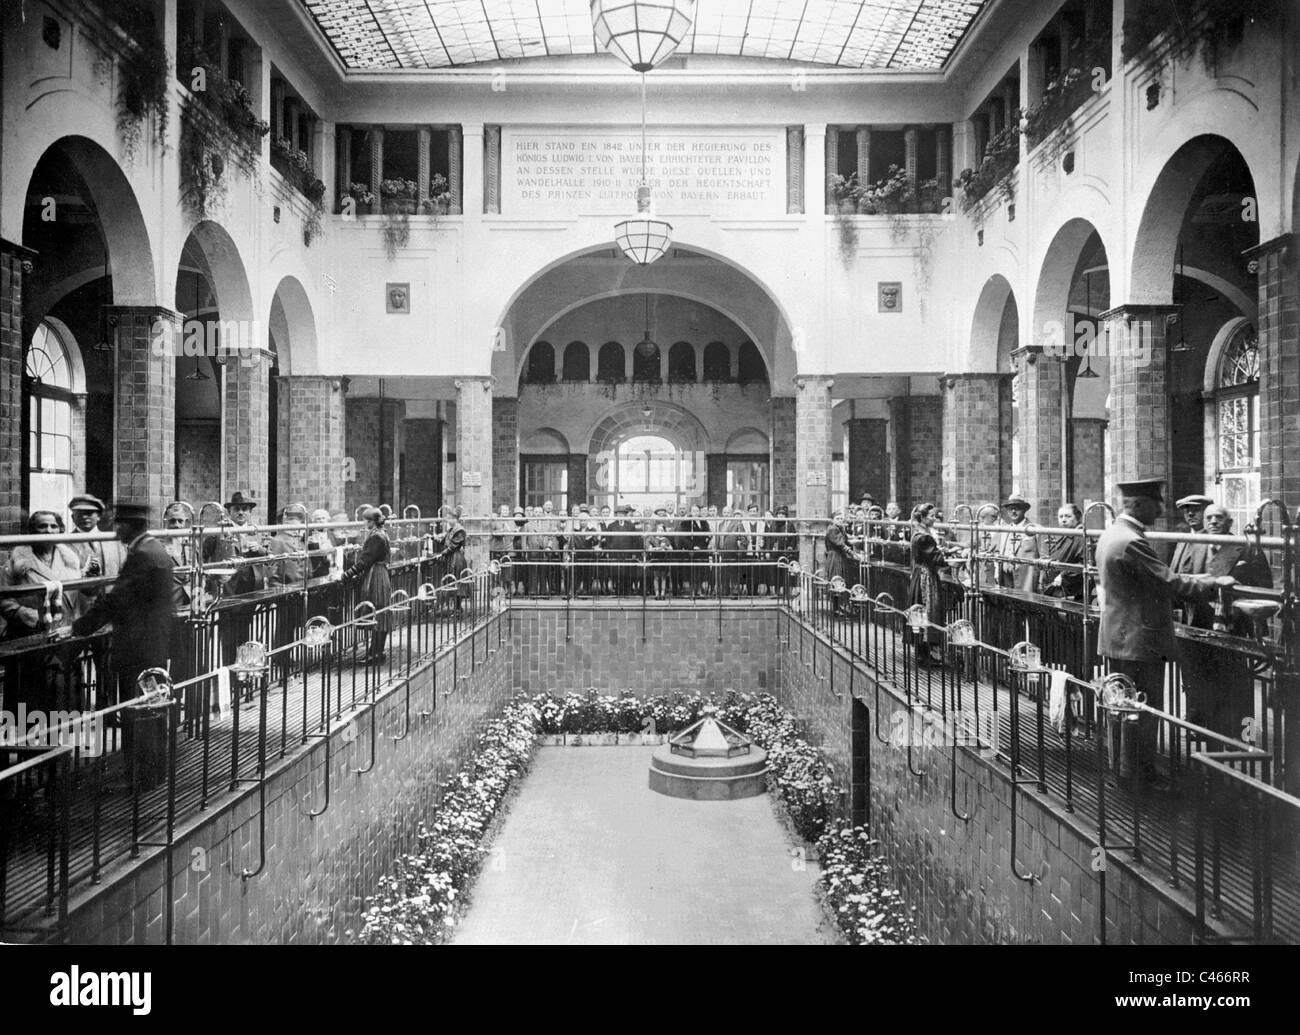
649	456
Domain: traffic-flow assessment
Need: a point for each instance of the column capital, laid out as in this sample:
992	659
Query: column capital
1130	311
486	381
949	381
1281	243
802	381
336	382
158	312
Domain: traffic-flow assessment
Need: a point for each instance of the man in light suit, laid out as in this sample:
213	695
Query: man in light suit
1136	634
1019	543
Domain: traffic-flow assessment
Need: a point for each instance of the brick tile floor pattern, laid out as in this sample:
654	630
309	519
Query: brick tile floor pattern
589	855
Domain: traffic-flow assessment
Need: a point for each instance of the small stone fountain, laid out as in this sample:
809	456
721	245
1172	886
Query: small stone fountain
709	761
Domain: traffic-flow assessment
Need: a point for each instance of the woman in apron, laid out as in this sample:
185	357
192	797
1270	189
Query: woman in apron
926	587
371	567
453	556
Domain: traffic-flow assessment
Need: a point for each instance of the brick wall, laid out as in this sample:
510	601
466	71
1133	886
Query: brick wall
1089	459
1279	385
813	446
784	477
868	459
505	451
318	871
11	383
146	406
376	473
1042	451
247	403
198	461
958	875
976	439
917	426
681	650
1139	420
424	463
312	415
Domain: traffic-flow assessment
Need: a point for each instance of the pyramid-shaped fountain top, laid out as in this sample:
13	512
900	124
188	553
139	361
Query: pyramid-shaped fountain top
709	738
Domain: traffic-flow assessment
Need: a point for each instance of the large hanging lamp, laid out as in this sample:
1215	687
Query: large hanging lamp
643	239
640	32
647	346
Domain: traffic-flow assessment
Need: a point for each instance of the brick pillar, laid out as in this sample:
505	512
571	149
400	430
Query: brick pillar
12	258
716	491
1039	436
868	459
247	404
373	436
918	449
577	478
1279	381
505	451
1139	405
783	451
812	454
145	404
976	439
474	442
1089	448
424	472
312	414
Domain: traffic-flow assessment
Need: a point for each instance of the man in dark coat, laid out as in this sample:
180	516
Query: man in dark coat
141	604
1136	634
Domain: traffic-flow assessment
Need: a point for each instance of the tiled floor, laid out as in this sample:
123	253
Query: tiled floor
590	855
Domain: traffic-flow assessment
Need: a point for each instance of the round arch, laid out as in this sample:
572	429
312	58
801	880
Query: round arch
228	274
121	222
1224	335
544	442
668	420
296	351
987	348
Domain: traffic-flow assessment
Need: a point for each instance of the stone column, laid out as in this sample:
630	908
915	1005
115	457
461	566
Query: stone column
505	452
15	261
492	169
1279	356
423	164
794	169
344	136
376	162
277	108
1089	448
910	155
312	415
455	181
832	166
784	476
577	478
976	439
1039	436
373	437
424	467
864	155
917	455
145	403
247	406
943	159
868	459
1139	404
474	443
812	403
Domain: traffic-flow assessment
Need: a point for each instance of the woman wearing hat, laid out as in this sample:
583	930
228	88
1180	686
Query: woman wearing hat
371	567
841	561
659	548
926	586
453	555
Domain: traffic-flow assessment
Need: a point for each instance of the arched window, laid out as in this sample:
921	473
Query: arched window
1236	404
48	391
577	362
610	366
649	470
717	362
681	362
645	363
752	367
541	364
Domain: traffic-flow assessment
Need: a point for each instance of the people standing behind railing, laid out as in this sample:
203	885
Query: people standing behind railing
659	548
344	540
1188	558
726	537
1138	592
754	533
289	546
502	539
623	551
781	540
40	566
1218	682
371	568
926	586
452	556
896	550
1059	580
319	544
177	518
98	559
140	606
240	541
1017	542
841	560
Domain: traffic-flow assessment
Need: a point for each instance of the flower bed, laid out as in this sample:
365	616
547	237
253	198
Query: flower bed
419	904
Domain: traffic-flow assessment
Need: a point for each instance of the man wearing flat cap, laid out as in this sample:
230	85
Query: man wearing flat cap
140	606
1020	544
1190	558
1136	635
98	559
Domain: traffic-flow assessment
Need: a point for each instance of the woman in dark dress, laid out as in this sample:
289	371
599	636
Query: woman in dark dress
840	559
926	587
371	567
453	556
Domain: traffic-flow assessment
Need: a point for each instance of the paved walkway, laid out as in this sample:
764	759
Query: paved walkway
590	855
